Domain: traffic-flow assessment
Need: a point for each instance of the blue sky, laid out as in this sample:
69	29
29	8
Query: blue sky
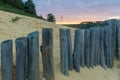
78	10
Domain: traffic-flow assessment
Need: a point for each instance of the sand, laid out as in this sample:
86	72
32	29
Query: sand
25	25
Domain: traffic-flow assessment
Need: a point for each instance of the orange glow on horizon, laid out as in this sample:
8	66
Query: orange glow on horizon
79	21
73	22
76	22
68	22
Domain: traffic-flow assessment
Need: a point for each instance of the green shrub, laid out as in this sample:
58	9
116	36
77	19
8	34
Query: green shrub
15	19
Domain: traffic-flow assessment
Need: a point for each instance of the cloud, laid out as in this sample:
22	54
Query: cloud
78	9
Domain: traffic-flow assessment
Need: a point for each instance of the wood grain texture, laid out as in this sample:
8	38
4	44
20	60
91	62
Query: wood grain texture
77	49
7	60
82	55
47	53
92	46
87	47
64	52
70	55
21	52
102	48
33	56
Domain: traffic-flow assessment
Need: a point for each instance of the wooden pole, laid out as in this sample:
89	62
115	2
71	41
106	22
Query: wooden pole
118	43
33	56
82	55
95	52
113	24
7	60
106	45
97	46
92	46
102	47
47	53
87	47
111	51
77	49
64	52
21	51
70	55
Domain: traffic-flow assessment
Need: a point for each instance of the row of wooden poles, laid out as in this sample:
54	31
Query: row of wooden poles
92	47
27	57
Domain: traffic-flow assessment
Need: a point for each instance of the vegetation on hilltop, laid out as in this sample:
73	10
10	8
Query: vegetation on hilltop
23	8
85	25
51	17
28	6
9	8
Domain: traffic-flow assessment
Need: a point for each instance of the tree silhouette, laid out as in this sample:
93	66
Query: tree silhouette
51	17
30	7
14	3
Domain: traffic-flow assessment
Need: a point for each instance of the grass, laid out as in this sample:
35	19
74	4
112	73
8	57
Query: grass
9	8
15	19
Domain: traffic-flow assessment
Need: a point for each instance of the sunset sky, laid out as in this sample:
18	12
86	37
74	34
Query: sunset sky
76	11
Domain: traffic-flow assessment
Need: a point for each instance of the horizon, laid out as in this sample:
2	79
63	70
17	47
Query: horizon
77	11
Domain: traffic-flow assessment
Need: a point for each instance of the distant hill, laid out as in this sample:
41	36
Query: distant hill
88	24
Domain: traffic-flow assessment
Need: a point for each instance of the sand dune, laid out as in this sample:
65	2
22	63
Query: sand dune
25	25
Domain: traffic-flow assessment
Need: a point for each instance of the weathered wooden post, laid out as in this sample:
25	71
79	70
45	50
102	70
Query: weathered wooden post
111	51
97	45
33	56
64	52
47	53
113	24
95	52
106	45
109	55
77	49
102	47
111	48
21	51
92	46
7	60
87	47
119	42
82	56
70	55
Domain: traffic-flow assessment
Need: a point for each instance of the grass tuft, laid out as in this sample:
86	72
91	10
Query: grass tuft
15	19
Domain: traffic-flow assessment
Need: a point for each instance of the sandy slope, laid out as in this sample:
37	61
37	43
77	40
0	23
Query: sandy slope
25	25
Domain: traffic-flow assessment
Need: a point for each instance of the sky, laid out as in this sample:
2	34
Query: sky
76	11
